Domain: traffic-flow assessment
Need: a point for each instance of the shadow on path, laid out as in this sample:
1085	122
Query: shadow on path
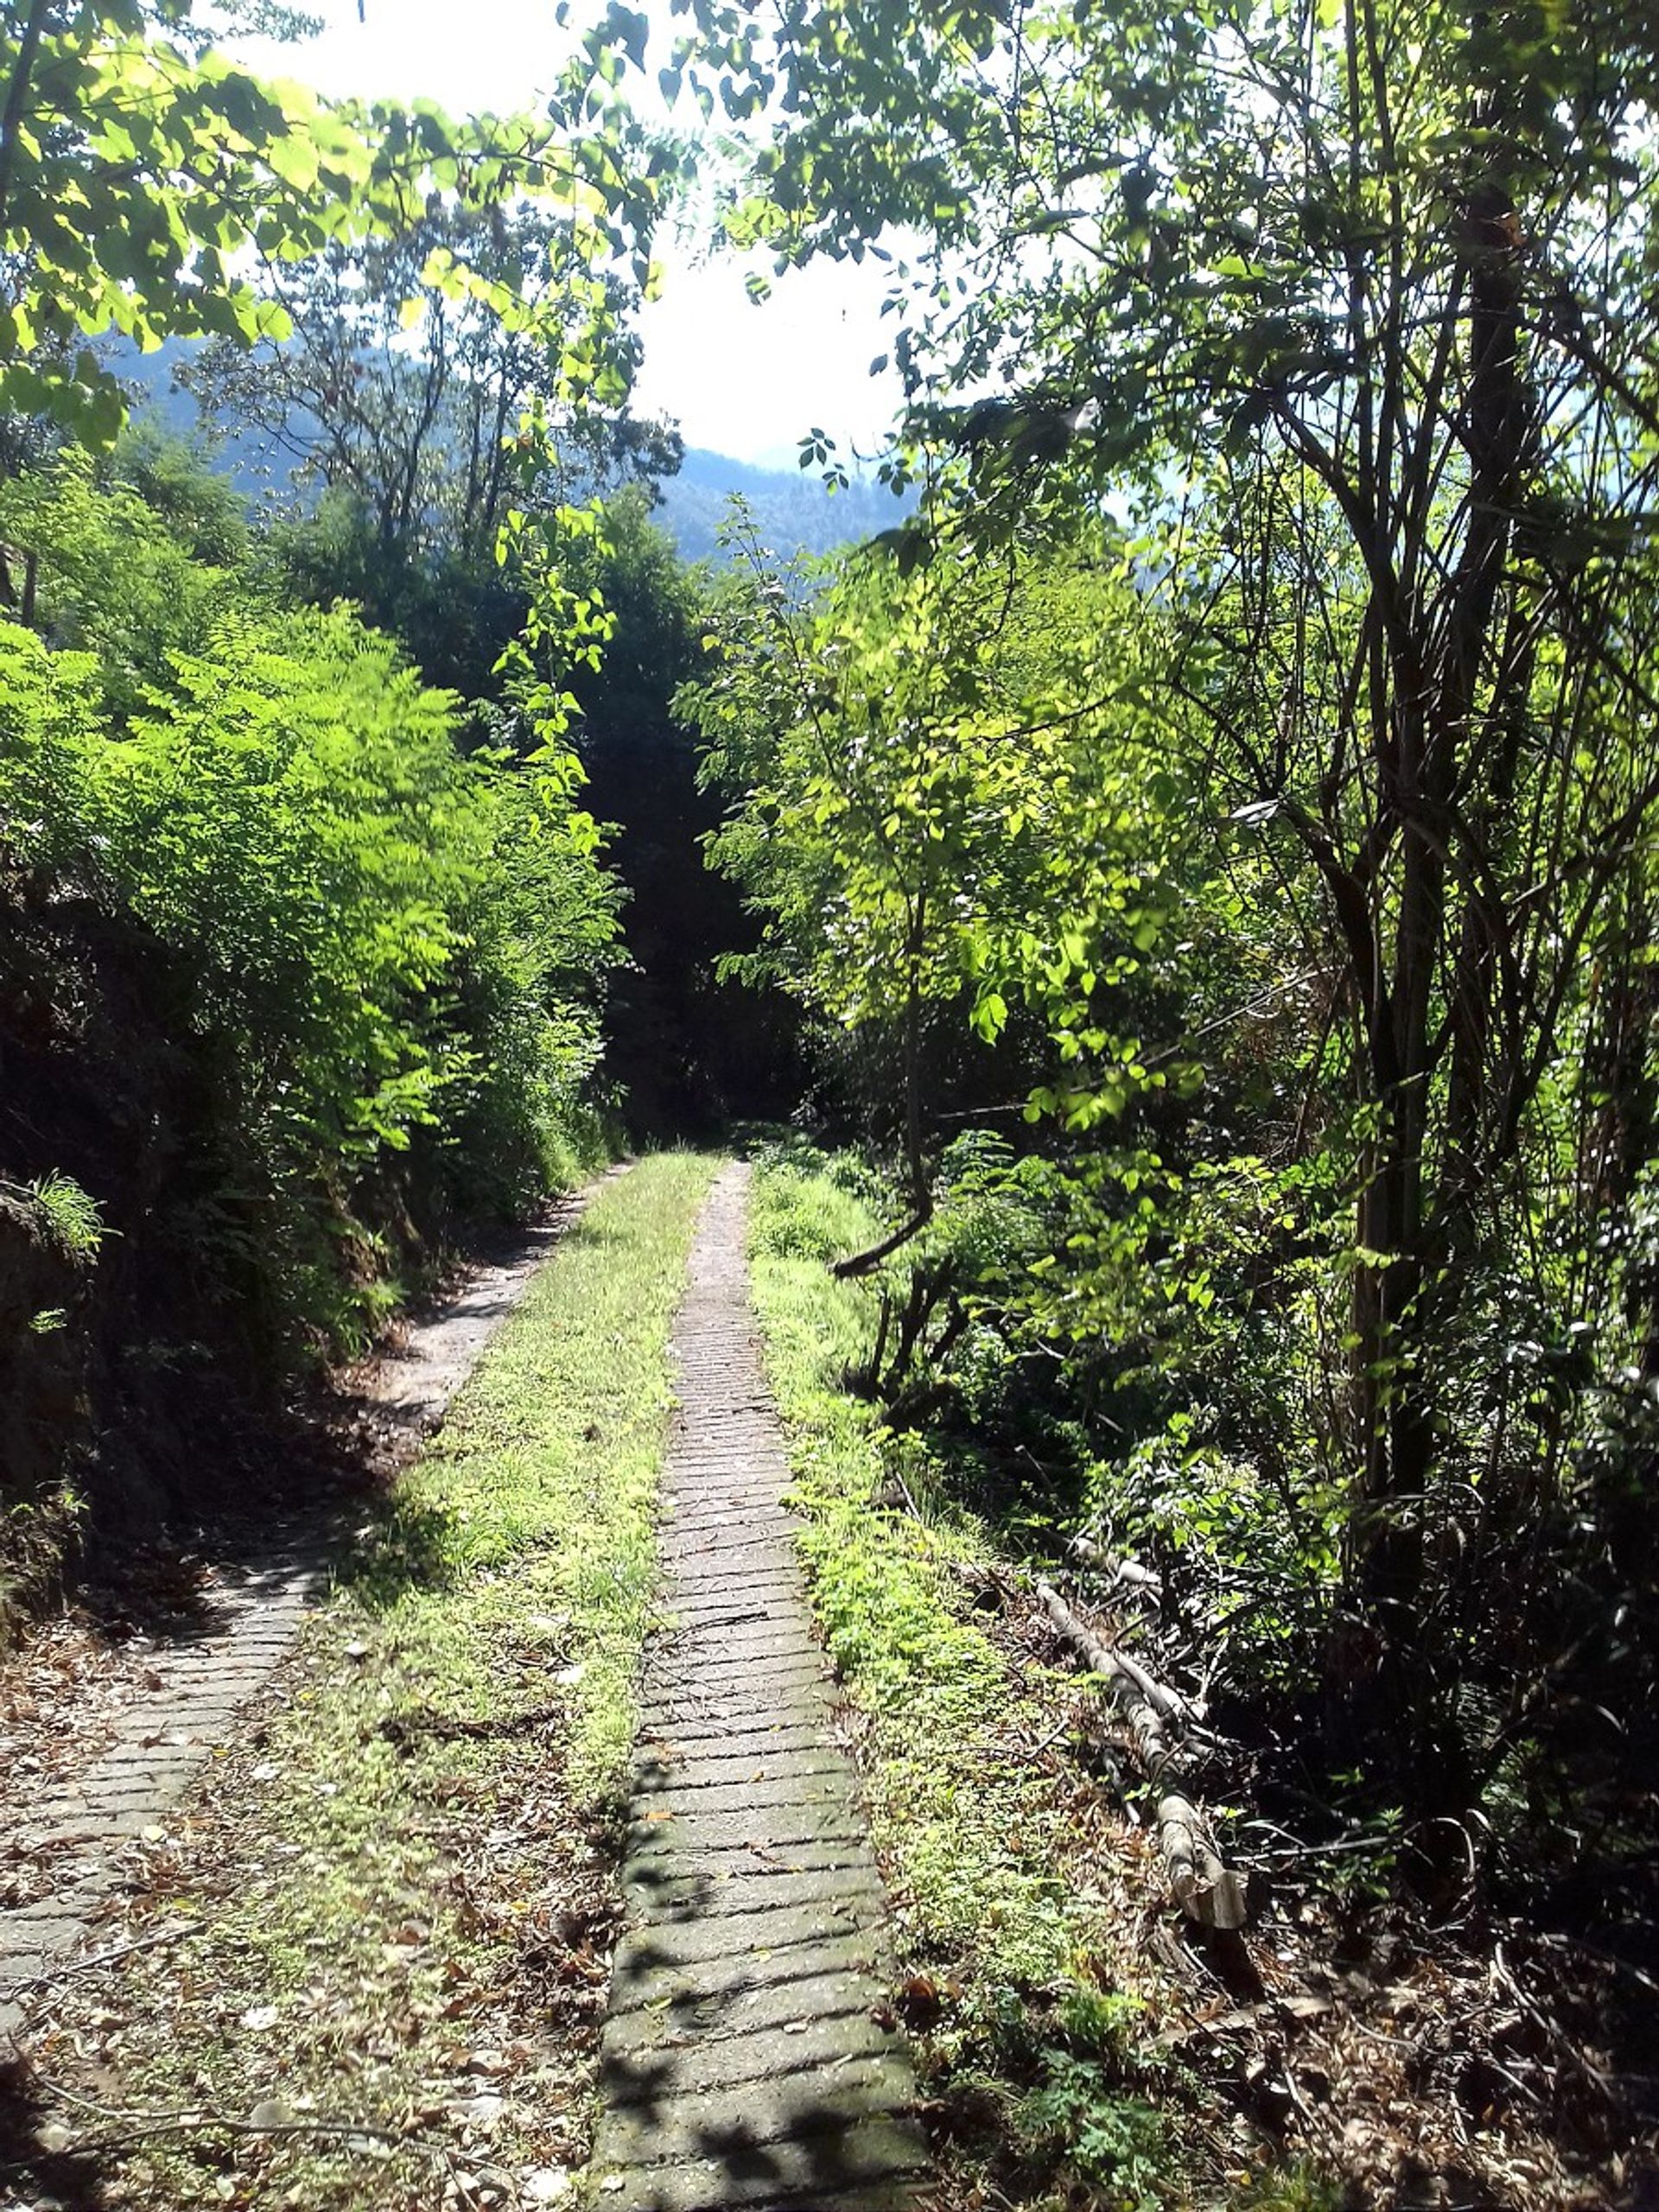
32	2173
750	2059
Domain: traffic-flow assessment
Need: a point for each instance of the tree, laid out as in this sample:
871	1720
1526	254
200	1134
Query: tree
140	176
363	968
1360	297
420	405
951	799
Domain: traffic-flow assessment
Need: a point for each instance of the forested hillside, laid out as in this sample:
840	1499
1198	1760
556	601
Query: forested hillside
795	511
283	450
1162	874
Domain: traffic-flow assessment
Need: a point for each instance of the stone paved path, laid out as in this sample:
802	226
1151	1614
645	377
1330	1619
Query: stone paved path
744	2062
196	1685
410	1387
81	1829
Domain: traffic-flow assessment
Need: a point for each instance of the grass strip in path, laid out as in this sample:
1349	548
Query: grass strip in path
373	1949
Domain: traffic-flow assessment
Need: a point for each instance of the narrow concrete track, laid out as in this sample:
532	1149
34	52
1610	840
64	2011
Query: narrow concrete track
195	1687
747	2064
82	1826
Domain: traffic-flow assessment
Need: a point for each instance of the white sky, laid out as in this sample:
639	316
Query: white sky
745	380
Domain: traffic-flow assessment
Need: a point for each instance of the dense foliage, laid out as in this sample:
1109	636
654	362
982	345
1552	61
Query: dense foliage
144	179
952	801
334	940
416	419
1208	839
1346	313
389	951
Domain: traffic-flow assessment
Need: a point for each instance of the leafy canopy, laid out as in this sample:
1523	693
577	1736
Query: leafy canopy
143	182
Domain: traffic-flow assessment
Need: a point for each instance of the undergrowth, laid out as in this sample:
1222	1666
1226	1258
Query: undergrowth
394	1909
1017	1987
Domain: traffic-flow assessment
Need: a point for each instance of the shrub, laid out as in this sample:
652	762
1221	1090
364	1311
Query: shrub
387	956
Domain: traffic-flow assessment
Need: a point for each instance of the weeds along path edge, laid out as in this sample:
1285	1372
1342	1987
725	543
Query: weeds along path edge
1021	1995
375	1942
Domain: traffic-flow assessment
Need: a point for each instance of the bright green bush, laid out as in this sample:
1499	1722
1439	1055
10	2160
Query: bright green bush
800	1215
389	954
127	576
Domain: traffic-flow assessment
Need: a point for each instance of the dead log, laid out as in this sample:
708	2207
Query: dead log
1205	1889
1114	1568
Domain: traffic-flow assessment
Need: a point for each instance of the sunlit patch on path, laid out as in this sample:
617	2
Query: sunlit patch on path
747	2061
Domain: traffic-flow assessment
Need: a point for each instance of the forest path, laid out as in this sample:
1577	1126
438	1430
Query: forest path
745	2064
141	1721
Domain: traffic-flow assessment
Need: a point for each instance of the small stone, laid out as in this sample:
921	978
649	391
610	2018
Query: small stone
545	2185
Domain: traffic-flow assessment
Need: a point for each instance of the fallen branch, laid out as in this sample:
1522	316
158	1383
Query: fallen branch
1168	1704
1206	1889
1115	1569
399	1727
347	2134
193	2120
171	1935
1584	2068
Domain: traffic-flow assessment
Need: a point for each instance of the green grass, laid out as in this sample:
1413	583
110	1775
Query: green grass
1007	1908
70	1216
404	1900
536	1504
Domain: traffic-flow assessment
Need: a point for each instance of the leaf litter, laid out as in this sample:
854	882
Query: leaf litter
1417	2063
365	1965
452	2035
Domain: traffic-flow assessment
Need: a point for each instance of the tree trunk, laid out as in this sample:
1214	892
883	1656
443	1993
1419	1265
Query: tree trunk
1427	735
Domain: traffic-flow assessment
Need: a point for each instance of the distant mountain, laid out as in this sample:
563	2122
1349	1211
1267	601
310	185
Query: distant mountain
254	462
793	509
